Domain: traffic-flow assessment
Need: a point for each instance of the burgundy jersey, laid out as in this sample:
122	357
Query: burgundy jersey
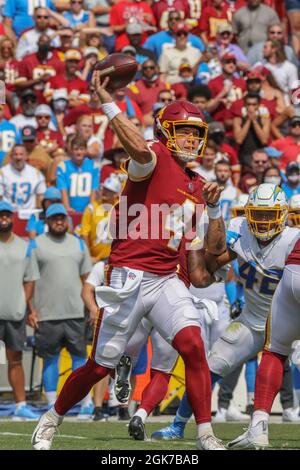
182	268
294	256
156	248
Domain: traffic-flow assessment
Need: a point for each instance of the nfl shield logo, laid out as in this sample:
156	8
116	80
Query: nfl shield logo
191	186
131	276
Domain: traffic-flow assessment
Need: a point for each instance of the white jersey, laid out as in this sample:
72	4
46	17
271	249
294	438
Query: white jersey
20	188
260	269
228	195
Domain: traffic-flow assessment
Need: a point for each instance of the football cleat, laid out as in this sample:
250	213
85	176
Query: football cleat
174	431
98	414
290	415
209	442
86	412
46	428
122	381
255	437
24	413
136	429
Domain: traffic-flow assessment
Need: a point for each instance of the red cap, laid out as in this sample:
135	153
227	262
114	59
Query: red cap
228	56
181	27
254	74
264	72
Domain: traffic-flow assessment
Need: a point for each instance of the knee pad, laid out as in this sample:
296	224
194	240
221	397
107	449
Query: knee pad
218	365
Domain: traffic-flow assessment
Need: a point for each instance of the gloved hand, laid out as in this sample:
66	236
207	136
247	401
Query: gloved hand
236	308
231	238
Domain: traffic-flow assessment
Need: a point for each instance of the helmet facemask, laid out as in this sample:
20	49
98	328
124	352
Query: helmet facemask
171	132
266	222
238	211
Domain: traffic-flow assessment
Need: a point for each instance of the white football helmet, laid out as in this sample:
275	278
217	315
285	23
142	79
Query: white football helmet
238	205
294	211
266	211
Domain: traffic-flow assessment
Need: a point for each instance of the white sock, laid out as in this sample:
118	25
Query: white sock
204	428
250	398
55	414
142	414
258	416
20	404
51	397
86	401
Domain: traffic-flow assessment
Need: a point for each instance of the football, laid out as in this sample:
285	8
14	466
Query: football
120	68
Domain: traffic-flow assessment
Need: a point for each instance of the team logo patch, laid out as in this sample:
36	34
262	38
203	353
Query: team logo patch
132	276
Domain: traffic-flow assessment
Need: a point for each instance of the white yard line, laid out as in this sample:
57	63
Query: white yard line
23	434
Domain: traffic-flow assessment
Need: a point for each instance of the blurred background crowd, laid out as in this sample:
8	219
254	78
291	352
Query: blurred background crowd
237	60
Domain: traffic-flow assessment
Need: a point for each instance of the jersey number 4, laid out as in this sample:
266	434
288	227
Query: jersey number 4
267	280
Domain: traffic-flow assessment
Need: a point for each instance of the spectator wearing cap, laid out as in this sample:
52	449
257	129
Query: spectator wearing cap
251	130
213	15
9	135
289	145
134	33
76	87
36	224
28	105
158	41
225	90
284	72
145	91
21	184
50	140
124	12
66	36
250	23
78	177
216	132
224	43
18	273
36	69
28	42
18	15
176	54
275	32
95	219
254	173
292	185
254	79
58	318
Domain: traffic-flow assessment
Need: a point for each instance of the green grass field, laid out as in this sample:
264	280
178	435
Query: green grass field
113	436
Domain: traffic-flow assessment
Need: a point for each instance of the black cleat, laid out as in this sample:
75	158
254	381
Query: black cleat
98	414
123	414
136	429
122	381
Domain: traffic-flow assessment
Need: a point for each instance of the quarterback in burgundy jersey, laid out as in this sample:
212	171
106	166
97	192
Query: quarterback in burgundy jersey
157	209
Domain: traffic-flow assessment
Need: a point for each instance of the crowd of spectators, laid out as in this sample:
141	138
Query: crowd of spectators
236	60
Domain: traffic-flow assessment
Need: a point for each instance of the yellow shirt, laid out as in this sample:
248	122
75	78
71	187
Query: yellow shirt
94	225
